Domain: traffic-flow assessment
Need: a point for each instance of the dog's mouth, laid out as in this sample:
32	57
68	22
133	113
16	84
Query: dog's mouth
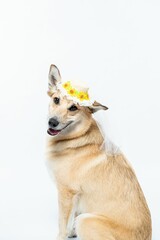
54	132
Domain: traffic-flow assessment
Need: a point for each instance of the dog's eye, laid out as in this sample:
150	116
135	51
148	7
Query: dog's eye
73	108
56	100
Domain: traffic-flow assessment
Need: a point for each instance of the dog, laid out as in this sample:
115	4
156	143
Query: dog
99	195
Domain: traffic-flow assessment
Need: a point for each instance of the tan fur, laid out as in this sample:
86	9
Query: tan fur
98	189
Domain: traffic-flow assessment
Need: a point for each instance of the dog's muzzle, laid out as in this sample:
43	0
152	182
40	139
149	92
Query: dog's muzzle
52	123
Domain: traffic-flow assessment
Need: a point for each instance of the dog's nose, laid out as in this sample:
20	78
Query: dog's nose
53	122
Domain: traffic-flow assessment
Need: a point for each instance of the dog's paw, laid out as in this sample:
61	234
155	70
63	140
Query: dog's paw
72	234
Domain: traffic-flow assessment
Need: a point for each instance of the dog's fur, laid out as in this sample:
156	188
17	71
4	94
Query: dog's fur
98	193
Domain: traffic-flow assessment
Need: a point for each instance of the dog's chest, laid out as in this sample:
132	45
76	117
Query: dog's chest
66	167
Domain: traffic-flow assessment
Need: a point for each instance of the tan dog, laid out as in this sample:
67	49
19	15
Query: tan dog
98	193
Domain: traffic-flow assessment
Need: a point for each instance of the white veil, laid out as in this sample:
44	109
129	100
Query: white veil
110	147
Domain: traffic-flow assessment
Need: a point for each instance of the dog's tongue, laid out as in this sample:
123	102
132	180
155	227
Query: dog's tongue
53	132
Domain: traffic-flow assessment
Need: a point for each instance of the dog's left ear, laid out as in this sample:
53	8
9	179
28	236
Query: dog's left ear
54	77
96	107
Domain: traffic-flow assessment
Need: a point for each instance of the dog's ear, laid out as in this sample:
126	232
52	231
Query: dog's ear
96	107
54	77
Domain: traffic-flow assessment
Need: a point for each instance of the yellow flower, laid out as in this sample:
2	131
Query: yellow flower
67	85
86	97
83	96
72	91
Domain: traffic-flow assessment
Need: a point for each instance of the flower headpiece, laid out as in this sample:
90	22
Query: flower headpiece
75	92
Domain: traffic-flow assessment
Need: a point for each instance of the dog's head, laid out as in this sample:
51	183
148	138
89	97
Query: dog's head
65	116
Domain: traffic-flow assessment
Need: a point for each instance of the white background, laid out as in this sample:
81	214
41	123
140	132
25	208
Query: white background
115	47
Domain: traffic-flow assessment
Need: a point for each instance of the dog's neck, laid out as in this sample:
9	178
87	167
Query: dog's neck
91	135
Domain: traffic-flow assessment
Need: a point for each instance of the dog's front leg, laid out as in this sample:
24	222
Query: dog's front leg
65	201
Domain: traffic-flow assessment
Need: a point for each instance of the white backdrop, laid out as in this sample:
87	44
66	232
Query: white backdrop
115	47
